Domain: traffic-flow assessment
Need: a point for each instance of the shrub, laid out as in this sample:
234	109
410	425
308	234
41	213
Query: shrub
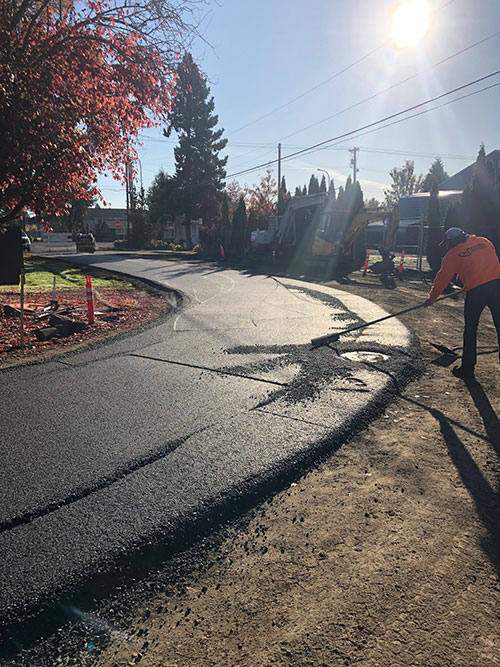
156	244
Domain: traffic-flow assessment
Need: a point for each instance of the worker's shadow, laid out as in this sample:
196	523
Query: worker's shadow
485	497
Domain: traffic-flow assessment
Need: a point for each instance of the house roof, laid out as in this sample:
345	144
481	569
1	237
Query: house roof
107	213
461	179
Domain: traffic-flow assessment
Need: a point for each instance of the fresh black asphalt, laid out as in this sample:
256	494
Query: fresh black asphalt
108	451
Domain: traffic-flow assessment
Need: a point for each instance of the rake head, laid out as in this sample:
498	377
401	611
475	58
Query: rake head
324	340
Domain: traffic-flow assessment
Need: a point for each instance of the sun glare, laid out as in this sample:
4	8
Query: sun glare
410	22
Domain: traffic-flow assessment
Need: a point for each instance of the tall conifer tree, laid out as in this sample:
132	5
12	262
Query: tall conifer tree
199	171
283	196
481	201
238	229
434	176
313	185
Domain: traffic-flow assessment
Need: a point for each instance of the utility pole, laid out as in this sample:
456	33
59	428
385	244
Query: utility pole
355	170
129	190
127	194
279	178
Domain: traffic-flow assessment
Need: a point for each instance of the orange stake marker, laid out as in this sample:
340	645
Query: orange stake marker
365	269
401	261
90	299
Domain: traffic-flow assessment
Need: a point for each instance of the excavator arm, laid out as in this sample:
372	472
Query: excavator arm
337	237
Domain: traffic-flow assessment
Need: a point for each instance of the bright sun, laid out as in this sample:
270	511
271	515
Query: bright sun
410	22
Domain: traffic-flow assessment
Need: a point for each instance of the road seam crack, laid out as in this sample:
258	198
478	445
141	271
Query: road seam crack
207	368
295	419
121	473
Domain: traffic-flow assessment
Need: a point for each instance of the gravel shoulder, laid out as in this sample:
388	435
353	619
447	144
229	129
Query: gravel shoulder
387	553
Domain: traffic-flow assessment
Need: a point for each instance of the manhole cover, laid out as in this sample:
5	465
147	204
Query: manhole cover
365	355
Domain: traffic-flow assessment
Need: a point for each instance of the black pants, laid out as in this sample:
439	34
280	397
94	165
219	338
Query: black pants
476	299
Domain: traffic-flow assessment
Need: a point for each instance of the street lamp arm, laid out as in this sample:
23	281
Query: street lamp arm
325	171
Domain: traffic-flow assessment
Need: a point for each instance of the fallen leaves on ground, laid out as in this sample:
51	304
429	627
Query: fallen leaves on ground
117	310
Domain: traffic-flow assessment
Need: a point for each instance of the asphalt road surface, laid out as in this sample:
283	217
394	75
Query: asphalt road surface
110	450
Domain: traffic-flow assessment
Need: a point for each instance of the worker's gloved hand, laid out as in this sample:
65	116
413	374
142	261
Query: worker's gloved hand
429	302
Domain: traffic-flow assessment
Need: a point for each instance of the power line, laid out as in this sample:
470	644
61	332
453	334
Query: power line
370	125
385	90
388	151
366	149
395	85
420	113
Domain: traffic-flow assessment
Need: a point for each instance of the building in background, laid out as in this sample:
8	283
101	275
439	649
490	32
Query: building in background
462	178
107	224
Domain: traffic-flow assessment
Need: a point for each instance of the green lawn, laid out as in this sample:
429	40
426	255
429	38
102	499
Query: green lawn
40	274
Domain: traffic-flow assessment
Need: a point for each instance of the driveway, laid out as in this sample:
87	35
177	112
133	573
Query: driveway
157	436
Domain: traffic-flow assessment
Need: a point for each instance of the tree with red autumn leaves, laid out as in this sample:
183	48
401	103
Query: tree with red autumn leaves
77	83
261	199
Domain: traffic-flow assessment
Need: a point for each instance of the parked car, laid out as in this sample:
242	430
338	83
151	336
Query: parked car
85	243
25	241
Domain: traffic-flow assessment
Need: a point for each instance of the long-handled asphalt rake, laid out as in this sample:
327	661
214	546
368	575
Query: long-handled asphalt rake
333	337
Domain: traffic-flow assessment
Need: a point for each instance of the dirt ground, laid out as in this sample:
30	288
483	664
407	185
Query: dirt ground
386	554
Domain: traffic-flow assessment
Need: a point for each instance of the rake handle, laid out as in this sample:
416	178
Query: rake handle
330	338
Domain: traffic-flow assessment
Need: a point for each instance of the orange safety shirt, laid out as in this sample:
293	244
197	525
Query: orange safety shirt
475	261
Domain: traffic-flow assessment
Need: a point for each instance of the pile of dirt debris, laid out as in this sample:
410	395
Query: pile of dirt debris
52	326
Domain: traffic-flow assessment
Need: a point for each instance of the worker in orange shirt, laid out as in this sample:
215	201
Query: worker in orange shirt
475	261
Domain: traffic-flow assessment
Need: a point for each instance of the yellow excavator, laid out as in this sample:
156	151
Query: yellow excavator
338	240
324	232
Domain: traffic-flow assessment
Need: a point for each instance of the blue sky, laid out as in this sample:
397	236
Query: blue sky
262	58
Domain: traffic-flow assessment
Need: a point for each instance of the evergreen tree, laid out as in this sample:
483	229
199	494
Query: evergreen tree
199	169
143	230
434	232
331	188
238	229
322	185
283	196
161	199
298	191
313	185
481	202
304	190
434	176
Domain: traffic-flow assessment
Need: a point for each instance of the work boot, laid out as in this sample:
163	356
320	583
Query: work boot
462	373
